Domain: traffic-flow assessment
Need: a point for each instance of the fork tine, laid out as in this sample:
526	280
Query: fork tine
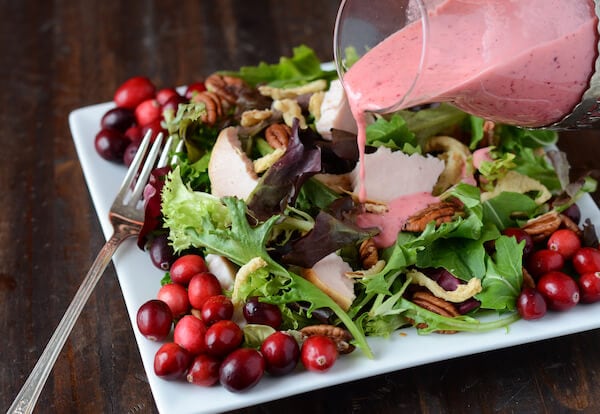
178	149
142	179
135	165
164	156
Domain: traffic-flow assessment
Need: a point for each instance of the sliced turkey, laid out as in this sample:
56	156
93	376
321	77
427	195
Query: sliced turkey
230	170
389	175
330	275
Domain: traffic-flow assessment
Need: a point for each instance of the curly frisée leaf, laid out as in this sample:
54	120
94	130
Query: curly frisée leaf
183	208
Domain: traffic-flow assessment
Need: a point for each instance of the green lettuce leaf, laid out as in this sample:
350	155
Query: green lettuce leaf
501	210
433	121
183	208
303	67
393	134
504	278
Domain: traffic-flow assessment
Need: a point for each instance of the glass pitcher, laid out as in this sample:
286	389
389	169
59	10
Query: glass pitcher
529	63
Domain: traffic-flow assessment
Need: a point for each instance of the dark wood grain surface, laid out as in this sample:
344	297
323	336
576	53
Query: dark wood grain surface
60	55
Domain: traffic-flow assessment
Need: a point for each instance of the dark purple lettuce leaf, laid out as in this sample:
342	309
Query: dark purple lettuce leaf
280	185
328	235
152	201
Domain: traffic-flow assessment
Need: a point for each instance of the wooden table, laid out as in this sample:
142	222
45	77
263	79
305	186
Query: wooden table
61	55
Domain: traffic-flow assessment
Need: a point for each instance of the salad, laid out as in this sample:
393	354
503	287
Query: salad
447	239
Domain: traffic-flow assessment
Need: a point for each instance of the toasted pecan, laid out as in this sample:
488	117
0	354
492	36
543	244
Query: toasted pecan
568	223
213	105
227	88
434	304
278	135
541	227
368	253
439	213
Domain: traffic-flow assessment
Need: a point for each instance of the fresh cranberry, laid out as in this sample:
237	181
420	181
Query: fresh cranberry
171	361
318	353
185	267
223	337
204	370
531	304
589	287
134	133
201	287
242	369
118	118
154	320
110	144
564	241
148	112
130	151
176	297
281	353
156	128
189	333
559	289
217	308
134	91
164	94
194	88
544	261
520	235
262	313
586	260
161	252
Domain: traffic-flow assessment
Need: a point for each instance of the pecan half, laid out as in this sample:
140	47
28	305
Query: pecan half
441	212
368	253
227	88
543	226
434	304
213	105
340	336
528	280
571	225
278	135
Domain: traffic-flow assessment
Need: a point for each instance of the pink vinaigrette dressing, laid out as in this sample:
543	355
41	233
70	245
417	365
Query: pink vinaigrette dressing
520	62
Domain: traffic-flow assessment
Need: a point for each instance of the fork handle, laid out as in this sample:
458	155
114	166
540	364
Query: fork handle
26	398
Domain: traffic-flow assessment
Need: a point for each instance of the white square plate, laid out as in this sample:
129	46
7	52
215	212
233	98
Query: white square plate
140	281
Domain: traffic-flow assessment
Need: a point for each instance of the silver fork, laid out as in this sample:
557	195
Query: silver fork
127	218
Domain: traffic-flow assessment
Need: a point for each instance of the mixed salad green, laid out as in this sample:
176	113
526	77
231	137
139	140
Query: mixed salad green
292	220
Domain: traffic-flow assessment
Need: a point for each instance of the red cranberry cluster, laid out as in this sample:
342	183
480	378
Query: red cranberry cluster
207	347
564	273
139	107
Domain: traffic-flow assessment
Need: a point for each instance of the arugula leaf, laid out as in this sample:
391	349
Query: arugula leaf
504	277
464	258
501	210
303	67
